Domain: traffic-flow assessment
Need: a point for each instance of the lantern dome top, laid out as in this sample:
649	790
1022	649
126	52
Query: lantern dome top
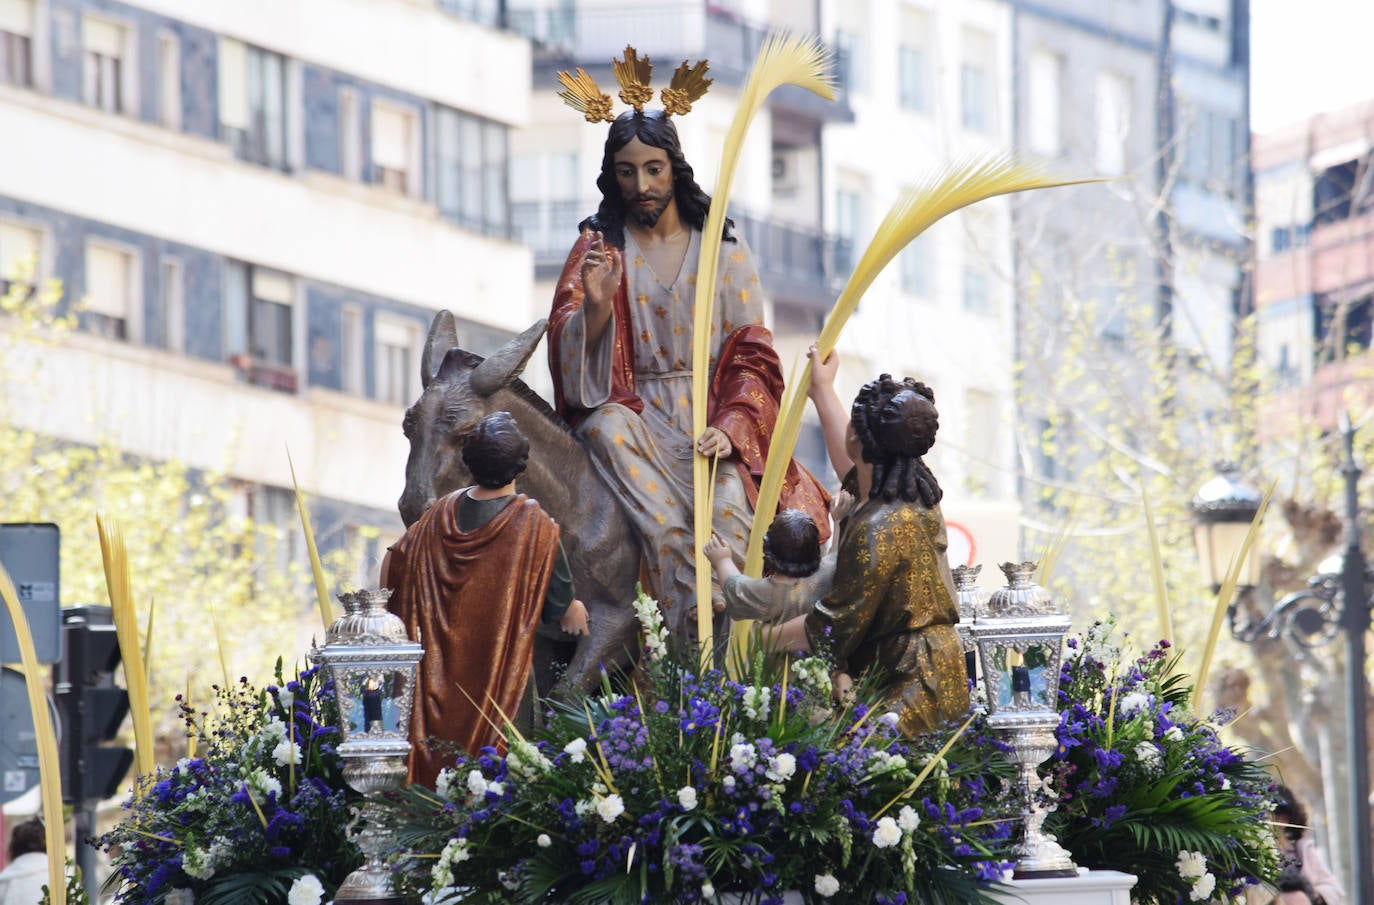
1226	497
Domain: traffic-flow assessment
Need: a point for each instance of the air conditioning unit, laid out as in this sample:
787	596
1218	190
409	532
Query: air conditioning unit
787	175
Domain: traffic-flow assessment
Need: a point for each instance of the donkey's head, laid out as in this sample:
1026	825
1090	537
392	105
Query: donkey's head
458	390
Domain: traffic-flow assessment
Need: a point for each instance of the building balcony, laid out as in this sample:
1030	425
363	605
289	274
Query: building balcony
668	31
796	265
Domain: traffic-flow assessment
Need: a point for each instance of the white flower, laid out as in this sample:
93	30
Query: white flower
260	785
274	732
651	617
198	863
1202	888
477	783
687	797
287	697
509	879
1191	865
1132	704
583	807
544	841
882	762
610	807
496	788
743	756
180	897
527	760
908	819
576	750
728	783
827	885
887	833
455	851
781	768
891	719
707	890
306	890
287	753
1174	734
756	701
813	673
1149	756
443	784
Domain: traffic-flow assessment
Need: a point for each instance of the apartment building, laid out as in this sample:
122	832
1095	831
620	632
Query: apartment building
1314	279
1151	95
260	205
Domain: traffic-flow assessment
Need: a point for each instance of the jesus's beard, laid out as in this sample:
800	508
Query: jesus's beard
648	216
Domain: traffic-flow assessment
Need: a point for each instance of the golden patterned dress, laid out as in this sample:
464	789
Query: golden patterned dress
629	397
892	608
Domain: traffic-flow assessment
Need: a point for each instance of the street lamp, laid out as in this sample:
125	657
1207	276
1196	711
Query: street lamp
1336	598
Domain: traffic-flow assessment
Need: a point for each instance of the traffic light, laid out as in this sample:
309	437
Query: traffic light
92	706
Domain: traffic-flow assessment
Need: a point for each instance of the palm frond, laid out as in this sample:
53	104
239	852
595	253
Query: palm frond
784	59
117	582
958	186
316	566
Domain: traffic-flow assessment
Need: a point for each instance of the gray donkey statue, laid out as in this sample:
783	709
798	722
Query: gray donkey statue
459	389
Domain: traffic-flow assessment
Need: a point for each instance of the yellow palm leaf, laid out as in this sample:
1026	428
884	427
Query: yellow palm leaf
1166	622
49	771
316	567
783	60
116	561
958	186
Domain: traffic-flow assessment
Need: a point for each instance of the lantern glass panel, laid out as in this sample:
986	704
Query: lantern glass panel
373	701
1025	680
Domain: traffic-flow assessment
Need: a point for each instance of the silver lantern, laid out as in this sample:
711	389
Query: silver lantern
372	663
1020	633
970	599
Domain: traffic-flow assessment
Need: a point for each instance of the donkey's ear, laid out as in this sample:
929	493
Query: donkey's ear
506	363
443	335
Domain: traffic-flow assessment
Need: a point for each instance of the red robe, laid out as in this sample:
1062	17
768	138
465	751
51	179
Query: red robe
743	396
473	599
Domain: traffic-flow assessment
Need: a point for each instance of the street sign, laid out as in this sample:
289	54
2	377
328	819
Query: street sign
31	553
18	741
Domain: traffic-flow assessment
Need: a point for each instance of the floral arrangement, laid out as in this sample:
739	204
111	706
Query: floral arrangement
1146	786
258	817
690	785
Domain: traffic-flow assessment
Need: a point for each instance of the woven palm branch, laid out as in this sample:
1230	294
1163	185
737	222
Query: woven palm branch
583	94
688	86
784	59
117	583
49	769
955	187
633	74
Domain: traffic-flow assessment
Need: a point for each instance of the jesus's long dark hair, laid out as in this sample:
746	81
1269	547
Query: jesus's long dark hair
654	128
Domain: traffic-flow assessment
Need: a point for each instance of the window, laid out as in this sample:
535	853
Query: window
258	309
975	82
109	292
916	267
252	103
397	360
171	306
1113	102
980	441
913	60
350	135
395	149
472	165
976	299
169	80
485	12
103	45
848	61
847	213
544	206
16	42
913	90
1046	88
20	248
352	350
